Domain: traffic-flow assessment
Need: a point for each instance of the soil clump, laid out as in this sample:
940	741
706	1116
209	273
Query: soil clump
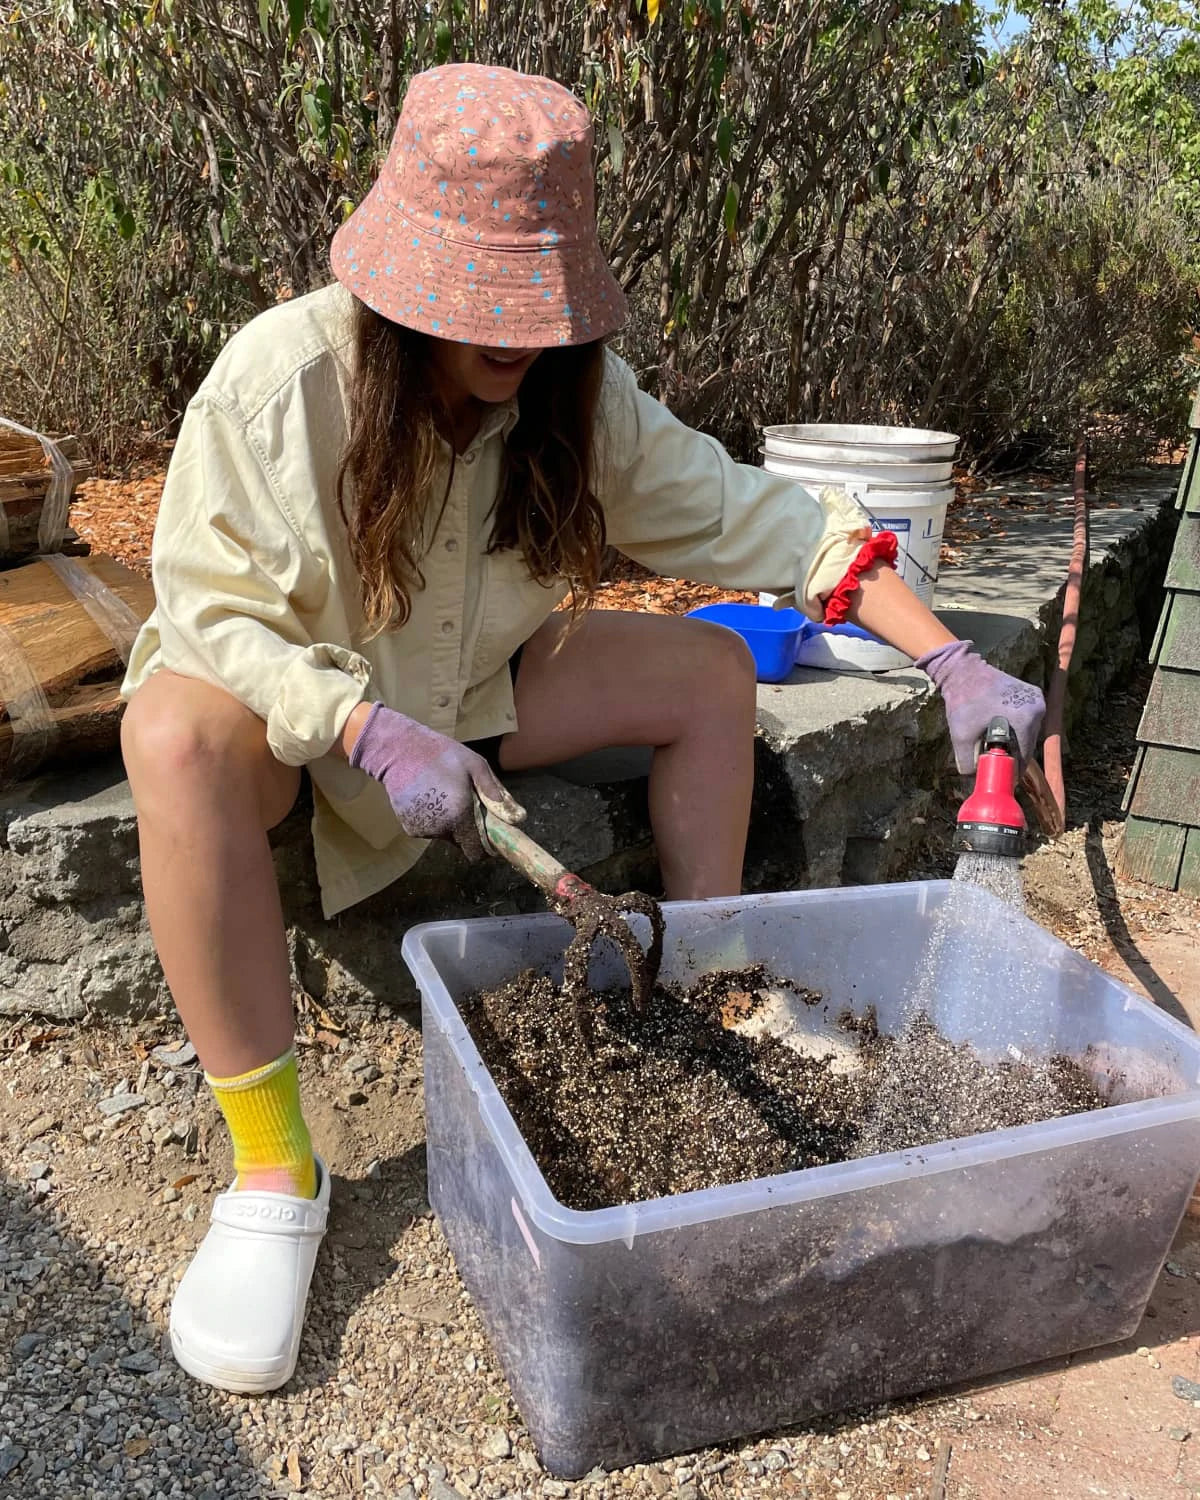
594	914
680	1095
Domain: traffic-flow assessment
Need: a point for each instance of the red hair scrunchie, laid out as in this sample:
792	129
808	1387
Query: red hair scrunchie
881	548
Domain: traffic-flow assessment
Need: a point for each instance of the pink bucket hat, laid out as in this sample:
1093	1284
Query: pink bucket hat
481	226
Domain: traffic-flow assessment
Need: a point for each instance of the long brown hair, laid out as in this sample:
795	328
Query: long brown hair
545	506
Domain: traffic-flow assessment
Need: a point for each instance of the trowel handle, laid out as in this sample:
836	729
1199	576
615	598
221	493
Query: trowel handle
534	862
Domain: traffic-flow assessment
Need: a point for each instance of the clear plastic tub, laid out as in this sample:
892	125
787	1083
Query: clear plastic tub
651	1328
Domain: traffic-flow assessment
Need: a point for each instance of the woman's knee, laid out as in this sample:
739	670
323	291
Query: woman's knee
182	727
178	733
723	663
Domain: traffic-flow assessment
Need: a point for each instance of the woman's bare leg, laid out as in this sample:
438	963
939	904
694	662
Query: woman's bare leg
206	789
683	686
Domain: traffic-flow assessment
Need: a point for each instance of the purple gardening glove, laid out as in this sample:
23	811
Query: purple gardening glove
431	780
975	693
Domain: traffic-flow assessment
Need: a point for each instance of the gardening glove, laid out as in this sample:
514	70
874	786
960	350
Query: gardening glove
974	693
431	780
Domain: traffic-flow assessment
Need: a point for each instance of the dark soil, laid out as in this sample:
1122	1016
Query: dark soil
649	1102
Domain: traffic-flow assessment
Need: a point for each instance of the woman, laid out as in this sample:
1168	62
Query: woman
361	544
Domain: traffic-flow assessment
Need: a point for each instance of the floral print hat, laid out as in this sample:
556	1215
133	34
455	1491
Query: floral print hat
481	226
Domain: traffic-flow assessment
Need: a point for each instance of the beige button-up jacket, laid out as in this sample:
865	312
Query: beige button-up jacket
256	591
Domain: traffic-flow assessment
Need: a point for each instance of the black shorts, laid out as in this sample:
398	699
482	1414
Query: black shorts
490	747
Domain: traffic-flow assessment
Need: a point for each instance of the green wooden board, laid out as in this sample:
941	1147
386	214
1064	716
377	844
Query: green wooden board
1160	630
1168	786
1189	869
1131	785
1178	641
1152	851
1183	571
1188	496
1172	713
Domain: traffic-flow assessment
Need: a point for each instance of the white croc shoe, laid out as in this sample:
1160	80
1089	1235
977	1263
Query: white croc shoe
239	1310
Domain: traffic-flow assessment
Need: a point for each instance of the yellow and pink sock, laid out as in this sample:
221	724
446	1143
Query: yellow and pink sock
272	1151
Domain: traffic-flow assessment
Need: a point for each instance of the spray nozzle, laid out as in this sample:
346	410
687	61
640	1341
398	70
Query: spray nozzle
990	821
1000	735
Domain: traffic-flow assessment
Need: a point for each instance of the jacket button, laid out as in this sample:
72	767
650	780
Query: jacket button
441	702
452	544
447	627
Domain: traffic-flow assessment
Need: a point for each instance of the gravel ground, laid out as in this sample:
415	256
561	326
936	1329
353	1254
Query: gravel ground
112	1150
396	1394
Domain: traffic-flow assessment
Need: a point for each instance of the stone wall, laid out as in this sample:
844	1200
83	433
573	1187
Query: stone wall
849	769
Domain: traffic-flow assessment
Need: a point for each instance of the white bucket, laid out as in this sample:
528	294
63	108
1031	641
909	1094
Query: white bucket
836	442
898	476
917	515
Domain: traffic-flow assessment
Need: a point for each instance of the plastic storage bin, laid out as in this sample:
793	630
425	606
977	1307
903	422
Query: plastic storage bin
637	1331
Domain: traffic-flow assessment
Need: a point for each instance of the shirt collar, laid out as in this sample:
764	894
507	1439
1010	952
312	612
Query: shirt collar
500	418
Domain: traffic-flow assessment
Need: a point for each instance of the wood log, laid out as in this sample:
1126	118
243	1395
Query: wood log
23	458
17	448
30	458
70	656
25	475
29	485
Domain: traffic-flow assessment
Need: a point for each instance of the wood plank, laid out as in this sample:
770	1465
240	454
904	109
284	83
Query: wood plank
1188	494
15	447
1168	789
1160	630
1183	571
1180	643
1189	869
22	463
87	723
32	460
1131	785
21	486
1172	712
62	643
22	518
1151	852
15	443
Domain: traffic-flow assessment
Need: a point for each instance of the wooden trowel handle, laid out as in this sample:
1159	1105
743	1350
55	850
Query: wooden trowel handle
534	862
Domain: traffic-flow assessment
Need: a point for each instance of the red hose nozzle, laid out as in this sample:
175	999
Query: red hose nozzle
990	821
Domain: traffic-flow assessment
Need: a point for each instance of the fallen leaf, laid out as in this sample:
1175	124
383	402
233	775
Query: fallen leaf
293	1467
327	1039
44	1038
185	1181
136	1447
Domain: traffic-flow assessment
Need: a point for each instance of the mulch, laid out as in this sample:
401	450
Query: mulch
117	515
